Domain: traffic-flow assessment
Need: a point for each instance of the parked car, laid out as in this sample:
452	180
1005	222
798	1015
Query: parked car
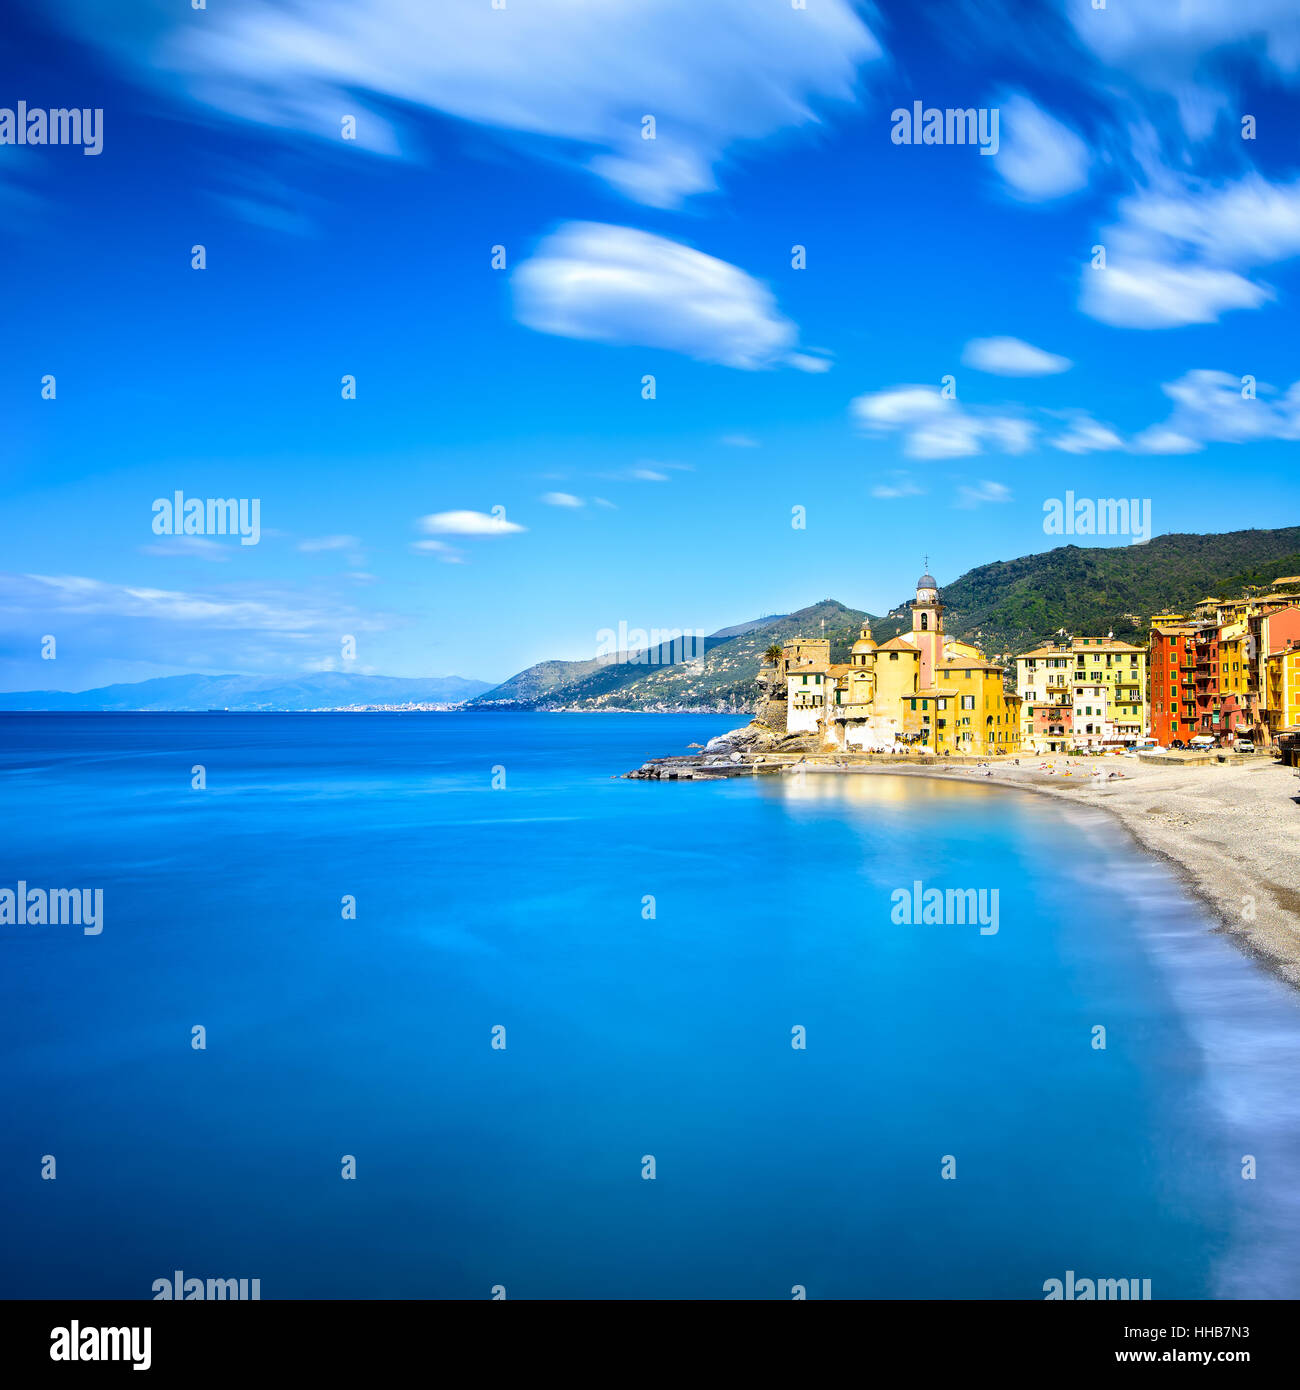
1243	745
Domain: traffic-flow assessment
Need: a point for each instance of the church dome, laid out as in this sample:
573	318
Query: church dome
927	581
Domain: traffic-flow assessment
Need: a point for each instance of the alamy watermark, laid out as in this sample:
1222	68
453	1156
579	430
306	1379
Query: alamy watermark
657	647
208	516
1084	1289
930	125
77	1343
922	906
1103	516
24	125
178	1288
53	907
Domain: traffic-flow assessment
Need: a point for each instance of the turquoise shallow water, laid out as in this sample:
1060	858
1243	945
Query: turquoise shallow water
627	1036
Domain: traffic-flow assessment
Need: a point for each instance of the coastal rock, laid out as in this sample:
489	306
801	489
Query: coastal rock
752	738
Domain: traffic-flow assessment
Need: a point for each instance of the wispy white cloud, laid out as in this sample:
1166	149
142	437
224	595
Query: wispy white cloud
1159	439
468	523
1183	253
447	554
573	74
618	285
562	499
899	484
1012	357
1145	293
289	614
935	427
1039	158
194	547
806	362
1184	50
1084	435
352	548
1218	407
975	496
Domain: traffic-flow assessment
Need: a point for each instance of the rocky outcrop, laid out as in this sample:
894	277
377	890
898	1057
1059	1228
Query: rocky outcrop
758	737
733	754
770	707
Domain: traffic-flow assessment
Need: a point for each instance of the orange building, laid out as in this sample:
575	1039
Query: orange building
1173	678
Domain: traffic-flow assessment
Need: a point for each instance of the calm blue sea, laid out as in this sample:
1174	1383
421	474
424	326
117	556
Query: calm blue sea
523	906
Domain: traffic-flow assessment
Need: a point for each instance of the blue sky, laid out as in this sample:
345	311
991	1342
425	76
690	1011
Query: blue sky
521	388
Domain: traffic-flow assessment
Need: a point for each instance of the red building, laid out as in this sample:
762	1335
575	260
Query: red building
1173	679
1205	678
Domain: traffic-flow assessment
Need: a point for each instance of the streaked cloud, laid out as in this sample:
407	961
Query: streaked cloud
468	523
1084	435
606	284
1159	439
447	554
969	496
1183	254
1162	46
1038	158
898	484
191	547
935	427
1217	407
349	546
572	75
1012	357
241	626
1144	293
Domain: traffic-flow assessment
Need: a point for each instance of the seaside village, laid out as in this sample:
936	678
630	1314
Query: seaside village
1227	675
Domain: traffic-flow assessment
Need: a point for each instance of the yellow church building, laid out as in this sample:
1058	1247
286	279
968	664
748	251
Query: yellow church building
920	690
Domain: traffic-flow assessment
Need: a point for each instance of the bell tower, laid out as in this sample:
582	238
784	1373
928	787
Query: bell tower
927	626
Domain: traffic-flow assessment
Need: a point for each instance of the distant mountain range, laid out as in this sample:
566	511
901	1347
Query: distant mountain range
722	679
327	690
1004	607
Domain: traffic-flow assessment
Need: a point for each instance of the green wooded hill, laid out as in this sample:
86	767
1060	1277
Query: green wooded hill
724	678
1004	607
1007	606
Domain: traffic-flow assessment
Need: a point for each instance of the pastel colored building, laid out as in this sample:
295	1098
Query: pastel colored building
807	672
1282	676
1210	674
1082	692
1173	664
919	689
1277	630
